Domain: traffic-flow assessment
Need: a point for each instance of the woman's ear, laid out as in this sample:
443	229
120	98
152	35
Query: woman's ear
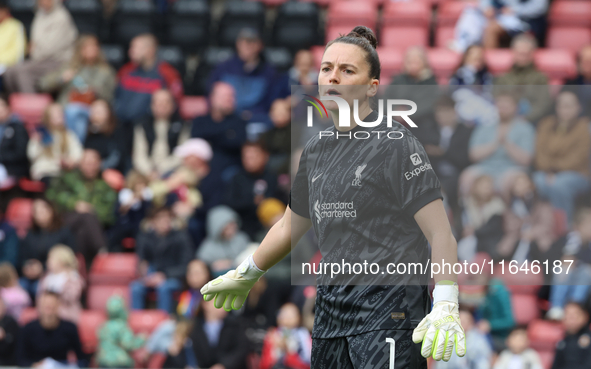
374	84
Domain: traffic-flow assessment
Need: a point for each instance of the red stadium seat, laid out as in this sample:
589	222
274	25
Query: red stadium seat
544	335
556	63
444	36
28	185
560	220
113	269
568	38
392	60
406	14
547	358
525	308
317	53
146	321
156	361
570	14
404	37
19	214
30	107
88	325
27	315
498	61
347	13
97	296
193	106
333	32
443	61
449	11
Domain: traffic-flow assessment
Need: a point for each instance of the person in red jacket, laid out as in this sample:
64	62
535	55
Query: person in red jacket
288	346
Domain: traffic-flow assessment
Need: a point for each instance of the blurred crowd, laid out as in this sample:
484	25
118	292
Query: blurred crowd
118	170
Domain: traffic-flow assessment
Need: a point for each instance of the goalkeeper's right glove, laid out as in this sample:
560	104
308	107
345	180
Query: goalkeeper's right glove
231	289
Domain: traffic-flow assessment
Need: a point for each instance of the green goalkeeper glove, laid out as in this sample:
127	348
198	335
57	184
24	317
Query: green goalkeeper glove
231	289
441	328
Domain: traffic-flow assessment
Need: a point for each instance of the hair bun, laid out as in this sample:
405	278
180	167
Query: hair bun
366	33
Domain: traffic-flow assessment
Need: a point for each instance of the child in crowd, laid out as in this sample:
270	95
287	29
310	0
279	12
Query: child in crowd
133	203
15	298
198	275
102	135
573	350
224	240
288	345
116	339
518	354
62	277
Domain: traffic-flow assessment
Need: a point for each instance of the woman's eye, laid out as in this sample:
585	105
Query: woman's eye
325	69
348	71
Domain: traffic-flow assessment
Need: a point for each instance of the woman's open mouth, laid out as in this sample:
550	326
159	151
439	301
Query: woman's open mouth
333	92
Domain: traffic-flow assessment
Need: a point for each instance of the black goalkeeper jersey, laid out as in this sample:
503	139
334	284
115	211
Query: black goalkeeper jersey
361	195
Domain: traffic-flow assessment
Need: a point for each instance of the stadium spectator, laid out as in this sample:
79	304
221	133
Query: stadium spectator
496	312
500	150
13	40
85	78
102	135
508	18
9	331
224	241
132	207
53	34
219	339
303	71
141	77
13	143
278	139
482	219
62	278
478	349
583	79
9	244
87	202
416	83
289	345
49	339
250	186
256	82
472	70
198	274
526	80
447	147
53	147
15	299
518	353
180	353
573	351
576	249
164	253
269	212
156	136
563	146
116	339
47	231
224	130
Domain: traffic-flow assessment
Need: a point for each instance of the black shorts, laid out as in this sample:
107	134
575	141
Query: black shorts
368	351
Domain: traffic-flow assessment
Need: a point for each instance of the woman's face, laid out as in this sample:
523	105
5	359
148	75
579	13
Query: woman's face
414	63
42	213
475	58
56	116
345	65
99	114
90	51
567	107
197	274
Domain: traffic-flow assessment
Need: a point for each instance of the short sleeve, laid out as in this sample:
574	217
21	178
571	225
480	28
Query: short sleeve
410	176
299	196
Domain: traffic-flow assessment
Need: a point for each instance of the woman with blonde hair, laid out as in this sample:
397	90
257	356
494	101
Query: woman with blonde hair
84	79
63	278
53	146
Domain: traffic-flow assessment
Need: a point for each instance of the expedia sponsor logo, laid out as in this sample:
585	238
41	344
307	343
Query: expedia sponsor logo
417	171
334	210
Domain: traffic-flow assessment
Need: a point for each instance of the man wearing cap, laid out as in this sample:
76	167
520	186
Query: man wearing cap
256	82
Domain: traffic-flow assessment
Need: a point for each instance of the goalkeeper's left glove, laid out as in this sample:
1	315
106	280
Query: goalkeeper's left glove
441	328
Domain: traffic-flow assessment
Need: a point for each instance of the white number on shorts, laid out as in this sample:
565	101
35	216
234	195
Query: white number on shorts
392	351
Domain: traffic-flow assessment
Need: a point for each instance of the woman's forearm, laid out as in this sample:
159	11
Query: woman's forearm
275	246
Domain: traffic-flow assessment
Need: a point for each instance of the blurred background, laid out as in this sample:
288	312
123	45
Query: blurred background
148	146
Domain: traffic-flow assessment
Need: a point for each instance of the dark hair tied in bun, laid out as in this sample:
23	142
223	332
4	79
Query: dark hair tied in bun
364	38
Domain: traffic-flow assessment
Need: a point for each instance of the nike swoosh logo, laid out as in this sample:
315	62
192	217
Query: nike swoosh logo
315	178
